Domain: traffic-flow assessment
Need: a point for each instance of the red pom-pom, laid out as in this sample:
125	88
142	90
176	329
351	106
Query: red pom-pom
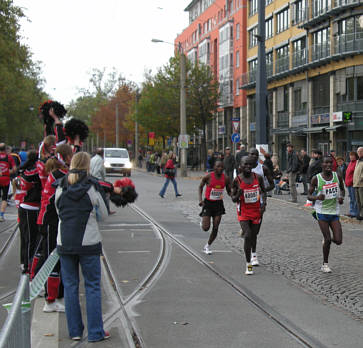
124	182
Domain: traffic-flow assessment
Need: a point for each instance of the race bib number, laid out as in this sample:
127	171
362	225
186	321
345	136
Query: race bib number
216	194
330	190
251	195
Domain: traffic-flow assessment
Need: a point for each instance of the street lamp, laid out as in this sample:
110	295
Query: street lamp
183	122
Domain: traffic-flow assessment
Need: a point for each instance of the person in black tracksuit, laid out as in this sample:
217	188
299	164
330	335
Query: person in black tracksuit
31	187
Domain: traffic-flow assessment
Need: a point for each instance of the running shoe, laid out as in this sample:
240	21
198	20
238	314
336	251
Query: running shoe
55	306
2	218
107	335
249	269
325	268
207	250
76	338
254	261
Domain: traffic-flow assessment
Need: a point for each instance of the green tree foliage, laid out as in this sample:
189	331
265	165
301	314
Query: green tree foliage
20	83
159	106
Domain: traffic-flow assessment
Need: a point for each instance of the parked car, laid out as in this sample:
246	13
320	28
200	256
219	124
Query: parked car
117	160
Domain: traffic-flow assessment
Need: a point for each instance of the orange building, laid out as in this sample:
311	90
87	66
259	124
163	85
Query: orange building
216	35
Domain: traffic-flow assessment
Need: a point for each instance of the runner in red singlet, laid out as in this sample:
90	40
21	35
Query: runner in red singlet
247	190
212	204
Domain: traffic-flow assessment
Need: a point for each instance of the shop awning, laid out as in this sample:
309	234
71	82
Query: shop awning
280	131
334	127
314	130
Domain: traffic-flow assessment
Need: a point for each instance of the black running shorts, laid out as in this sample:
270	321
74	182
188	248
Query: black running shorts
4	192
213	208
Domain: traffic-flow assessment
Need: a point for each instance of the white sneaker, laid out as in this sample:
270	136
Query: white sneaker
207	250
254	261
249	269
50	307
56	306
59	302
325	268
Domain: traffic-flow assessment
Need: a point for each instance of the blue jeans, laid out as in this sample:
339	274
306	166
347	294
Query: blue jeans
91	271
277	186
353	206
162	192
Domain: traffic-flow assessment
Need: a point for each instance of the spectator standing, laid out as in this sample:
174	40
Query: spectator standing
23	156
305	159
139	159
277	174
292	170
342	167
333	157
353	208
79	205
98	166
7	167
358	183
157	162
241	153
164	159
315	165
210	161
229	163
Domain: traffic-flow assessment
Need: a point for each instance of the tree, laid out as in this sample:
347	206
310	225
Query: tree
21	88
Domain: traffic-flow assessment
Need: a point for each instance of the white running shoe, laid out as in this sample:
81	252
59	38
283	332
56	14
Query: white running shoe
207	250
254	261
59	302
56	306
325	268
249	269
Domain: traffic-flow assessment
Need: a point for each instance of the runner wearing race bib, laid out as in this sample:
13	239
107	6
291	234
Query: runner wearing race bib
330	193
248	191
213	207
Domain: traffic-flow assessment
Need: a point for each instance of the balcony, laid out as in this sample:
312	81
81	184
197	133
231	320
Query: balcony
226	100
269	69
226	74
299	58
282	64
320	51
283	119
299	118
348	43
356	106
300	16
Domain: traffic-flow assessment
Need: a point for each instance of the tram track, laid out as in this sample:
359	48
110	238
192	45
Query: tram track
11	237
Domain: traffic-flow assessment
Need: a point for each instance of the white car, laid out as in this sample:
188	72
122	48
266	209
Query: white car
117	160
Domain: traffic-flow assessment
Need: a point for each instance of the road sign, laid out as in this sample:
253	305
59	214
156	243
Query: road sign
183	141
235	125
235	138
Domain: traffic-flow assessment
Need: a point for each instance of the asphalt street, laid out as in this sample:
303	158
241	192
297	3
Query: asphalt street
161	290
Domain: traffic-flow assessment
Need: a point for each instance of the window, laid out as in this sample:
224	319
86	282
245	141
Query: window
268	2
237	59
350	89
252	6
237	87
299	11
269	64
269	28
252	37
252	70
237	31
282	20
321	44
299	54
360	88
282	56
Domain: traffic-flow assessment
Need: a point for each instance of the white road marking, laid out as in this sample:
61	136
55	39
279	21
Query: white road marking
125	229
127	225
133	251
221	251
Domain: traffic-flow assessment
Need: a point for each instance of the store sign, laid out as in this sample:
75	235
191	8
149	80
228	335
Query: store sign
337	116
221	130
320	119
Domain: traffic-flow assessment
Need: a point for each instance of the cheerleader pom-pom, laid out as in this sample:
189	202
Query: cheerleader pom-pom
75	127
128	193
118	200
58	109
44	108
124	182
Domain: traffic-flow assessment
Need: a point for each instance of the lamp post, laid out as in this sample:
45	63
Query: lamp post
183	122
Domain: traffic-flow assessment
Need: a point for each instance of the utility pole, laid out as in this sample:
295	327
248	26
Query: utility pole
183	122
136	126
261	82
117	127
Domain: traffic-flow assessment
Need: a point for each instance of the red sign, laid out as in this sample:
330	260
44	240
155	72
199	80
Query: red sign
151	135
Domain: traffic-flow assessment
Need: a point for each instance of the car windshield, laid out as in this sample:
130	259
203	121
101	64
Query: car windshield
118	153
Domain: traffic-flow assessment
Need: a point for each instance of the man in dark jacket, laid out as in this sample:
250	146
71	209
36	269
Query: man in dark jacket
315	166
239	155
292	170
305	159
229	163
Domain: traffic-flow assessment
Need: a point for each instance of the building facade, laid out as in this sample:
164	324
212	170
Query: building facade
216	35
314	56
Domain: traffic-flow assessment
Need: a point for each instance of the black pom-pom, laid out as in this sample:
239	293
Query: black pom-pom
75	127
128	195
59	109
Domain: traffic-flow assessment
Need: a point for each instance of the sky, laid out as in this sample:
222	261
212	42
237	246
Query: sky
71	37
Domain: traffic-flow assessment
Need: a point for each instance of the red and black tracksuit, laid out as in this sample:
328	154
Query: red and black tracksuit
30	187
48	227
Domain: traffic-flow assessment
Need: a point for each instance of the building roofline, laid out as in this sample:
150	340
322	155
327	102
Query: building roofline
190	5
